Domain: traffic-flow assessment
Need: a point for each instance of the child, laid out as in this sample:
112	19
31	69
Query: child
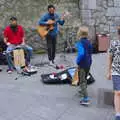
84	61
114	72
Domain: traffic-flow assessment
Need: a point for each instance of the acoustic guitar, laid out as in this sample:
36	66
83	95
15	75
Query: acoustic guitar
44	29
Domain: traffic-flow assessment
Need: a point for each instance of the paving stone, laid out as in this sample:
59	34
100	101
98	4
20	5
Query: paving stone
29	99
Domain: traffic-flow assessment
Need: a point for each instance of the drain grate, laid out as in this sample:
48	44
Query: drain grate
105	97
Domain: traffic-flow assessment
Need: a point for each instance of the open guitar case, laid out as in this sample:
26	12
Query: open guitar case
64	77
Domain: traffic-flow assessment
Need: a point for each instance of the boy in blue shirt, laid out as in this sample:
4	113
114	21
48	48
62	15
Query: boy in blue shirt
84	61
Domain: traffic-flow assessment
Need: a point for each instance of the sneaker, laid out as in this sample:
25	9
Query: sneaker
117	118
9	71
30	70
53	61
85	101
32	67
50	63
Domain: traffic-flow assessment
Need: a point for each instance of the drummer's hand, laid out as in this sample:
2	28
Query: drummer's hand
8	43
23	43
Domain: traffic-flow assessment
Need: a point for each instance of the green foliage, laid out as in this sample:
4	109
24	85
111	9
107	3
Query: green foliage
39	51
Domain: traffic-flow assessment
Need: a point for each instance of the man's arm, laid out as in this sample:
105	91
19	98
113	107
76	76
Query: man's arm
42	20
109	66
110	59
5	40
23	41
60	20
23	35
5	37
109	63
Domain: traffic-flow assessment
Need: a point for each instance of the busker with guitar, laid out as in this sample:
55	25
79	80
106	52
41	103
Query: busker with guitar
51	20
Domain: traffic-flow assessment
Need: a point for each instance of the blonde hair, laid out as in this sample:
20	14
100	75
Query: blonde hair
82	32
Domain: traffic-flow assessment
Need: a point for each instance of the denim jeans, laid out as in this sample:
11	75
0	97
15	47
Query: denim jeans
28	50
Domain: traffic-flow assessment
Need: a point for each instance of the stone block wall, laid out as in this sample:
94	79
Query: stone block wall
101	15
28	13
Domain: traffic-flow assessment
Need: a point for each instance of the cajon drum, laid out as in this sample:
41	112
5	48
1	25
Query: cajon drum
19	57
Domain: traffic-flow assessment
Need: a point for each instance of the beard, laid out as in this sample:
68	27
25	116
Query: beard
13	28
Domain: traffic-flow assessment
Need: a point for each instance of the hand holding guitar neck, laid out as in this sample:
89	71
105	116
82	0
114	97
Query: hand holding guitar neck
65	14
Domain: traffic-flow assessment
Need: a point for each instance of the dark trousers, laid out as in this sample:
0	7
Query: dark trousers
51	46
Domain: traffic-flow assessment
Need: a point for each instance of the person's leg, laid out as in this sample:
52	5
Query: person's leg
117	101
116	86
30	50
53	48
117	104
49	47
9	56
28	53
9	61
83	83
87	72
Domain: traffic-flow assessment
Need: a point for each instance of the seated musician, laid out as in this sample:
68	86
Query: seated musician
14	36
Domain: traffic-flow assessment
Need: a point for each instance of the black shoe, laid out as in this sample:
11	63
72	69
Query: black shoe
53	61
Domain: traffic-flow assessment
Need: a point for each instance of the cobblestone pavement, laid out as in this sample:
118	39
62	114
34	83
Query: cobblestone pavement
29	99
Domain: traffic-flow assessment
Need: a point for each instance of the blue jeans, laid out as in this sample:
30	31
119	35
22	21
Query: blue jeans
28	50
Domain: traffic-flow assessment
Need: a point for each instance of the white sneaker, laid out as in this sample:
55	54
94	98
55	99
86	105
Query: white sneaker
30	70
50	63
53	61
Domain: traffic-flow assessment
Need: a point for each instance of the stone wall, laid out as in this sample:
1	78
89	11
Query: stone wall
29	11
103	16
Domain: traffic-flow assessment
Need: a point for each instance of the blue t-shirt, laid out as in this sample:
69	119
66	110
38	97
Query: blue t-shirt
84	57
55	17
